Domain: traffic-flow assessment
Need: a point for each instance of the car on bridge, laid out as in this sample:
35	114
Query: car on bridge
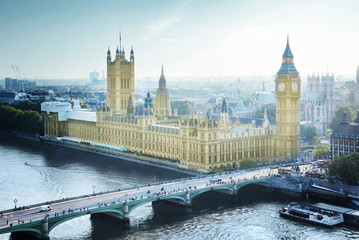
45	208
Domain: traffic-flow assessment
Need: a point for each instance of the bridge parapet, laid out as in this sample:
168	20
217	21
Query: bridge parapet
123	202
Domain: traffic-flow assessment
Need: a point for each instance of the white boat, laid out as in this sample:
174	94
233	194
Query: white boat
313	215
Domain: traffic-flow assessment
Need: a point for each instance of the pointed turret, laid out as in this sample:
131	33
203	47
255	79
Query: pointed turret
287	61
132	55
117	53
122	54
287	53
224	106
108	55
162	81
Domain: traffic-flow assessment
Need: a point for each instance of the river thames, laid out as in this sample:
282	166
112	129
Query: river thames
56	172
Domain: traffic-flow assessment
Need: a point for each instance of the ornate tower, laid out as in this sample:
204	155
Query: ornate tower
287	84
224	112
120	81
162	102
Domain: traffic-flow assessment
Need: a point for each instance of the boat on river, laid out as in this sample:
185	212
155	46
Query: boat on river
312	214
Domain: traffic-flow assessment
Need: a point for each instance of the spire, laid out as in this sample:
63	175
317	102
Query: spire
224	106
132	55
162	81
287	53
120	38
108	55
122	53
287	66
117	53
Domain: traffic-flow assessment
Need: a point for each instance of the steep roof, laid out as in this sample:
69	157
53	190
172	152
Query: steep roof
287	53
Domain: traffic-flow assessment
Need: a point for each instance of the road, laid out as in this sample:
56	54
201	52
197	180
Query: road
94	201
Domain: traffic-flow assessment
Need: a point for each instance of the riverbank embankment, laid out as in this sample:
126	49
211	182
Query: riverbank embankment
126	156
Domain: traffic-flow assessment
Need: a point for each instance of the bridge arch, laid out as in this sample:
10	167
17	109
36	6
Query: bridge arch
262	181
54	224
224	189
37	231
154	199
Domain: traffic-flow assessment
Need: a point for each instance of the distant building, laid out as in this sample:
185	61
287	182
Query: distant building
358	76
7	97
162	103
345	138
16	84
319	102
95	78
8	83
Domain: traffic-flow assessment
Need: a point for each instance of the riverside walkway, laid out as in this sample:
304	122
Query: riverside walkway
121	202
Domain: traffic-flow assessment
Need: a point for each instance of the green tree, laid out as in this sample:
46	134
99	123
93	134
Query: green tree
84	105
345	167
28	121
338	114
183	106
315	141
247	163
321	151
271	109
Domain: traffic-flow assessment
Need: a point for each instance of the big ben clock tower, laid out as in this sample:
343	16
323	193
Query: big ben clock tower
287	84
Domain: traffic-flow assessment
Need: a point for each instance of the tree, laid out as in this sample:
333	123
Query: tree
84	105
183	106
308	133
28	121
321	151
338	114
345	167
247	163
271	109
315	141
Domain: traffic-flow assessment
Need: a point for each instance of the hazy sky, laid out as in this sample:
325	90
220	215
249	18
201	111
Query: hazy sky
68	39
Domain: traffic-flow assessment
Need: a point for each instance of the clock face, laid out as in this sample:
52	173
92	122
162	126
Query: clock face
281	87
294	86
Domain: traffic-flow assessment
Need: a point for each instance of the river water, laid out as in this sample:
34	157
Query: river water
56	172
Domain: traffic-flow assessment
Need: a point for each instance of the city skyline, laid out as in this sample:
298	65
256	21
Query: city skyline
192	38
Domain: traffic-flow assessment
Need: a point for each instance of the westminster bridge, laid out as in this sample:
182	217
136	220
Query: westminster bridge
121	202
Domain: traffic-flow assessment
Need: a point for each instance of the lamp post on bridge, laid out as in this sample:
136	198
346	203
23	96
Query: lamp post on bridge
15	201
94	189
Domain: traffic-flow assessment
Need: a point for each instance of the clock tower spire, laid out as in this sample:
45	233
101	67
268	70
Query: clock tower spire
287	84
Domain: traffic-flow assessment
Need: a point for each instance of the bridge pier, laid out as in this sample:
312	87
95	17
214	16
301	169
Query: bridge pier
235	193
188	202
45	229
126	218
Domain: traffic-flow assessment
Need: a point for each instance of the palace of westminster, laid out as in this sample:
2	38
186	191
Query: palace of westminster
195	141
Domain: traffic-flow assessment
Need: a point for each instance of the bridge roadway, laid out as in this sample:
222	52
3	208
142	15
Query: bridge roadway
120	203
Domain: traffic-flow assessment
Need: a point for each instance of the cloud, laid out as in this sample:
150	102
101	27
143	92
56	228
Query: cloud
158	26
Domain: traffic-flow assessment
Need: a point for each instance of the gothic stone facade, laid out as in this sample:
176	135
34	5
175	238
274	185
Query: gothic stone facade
196	141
